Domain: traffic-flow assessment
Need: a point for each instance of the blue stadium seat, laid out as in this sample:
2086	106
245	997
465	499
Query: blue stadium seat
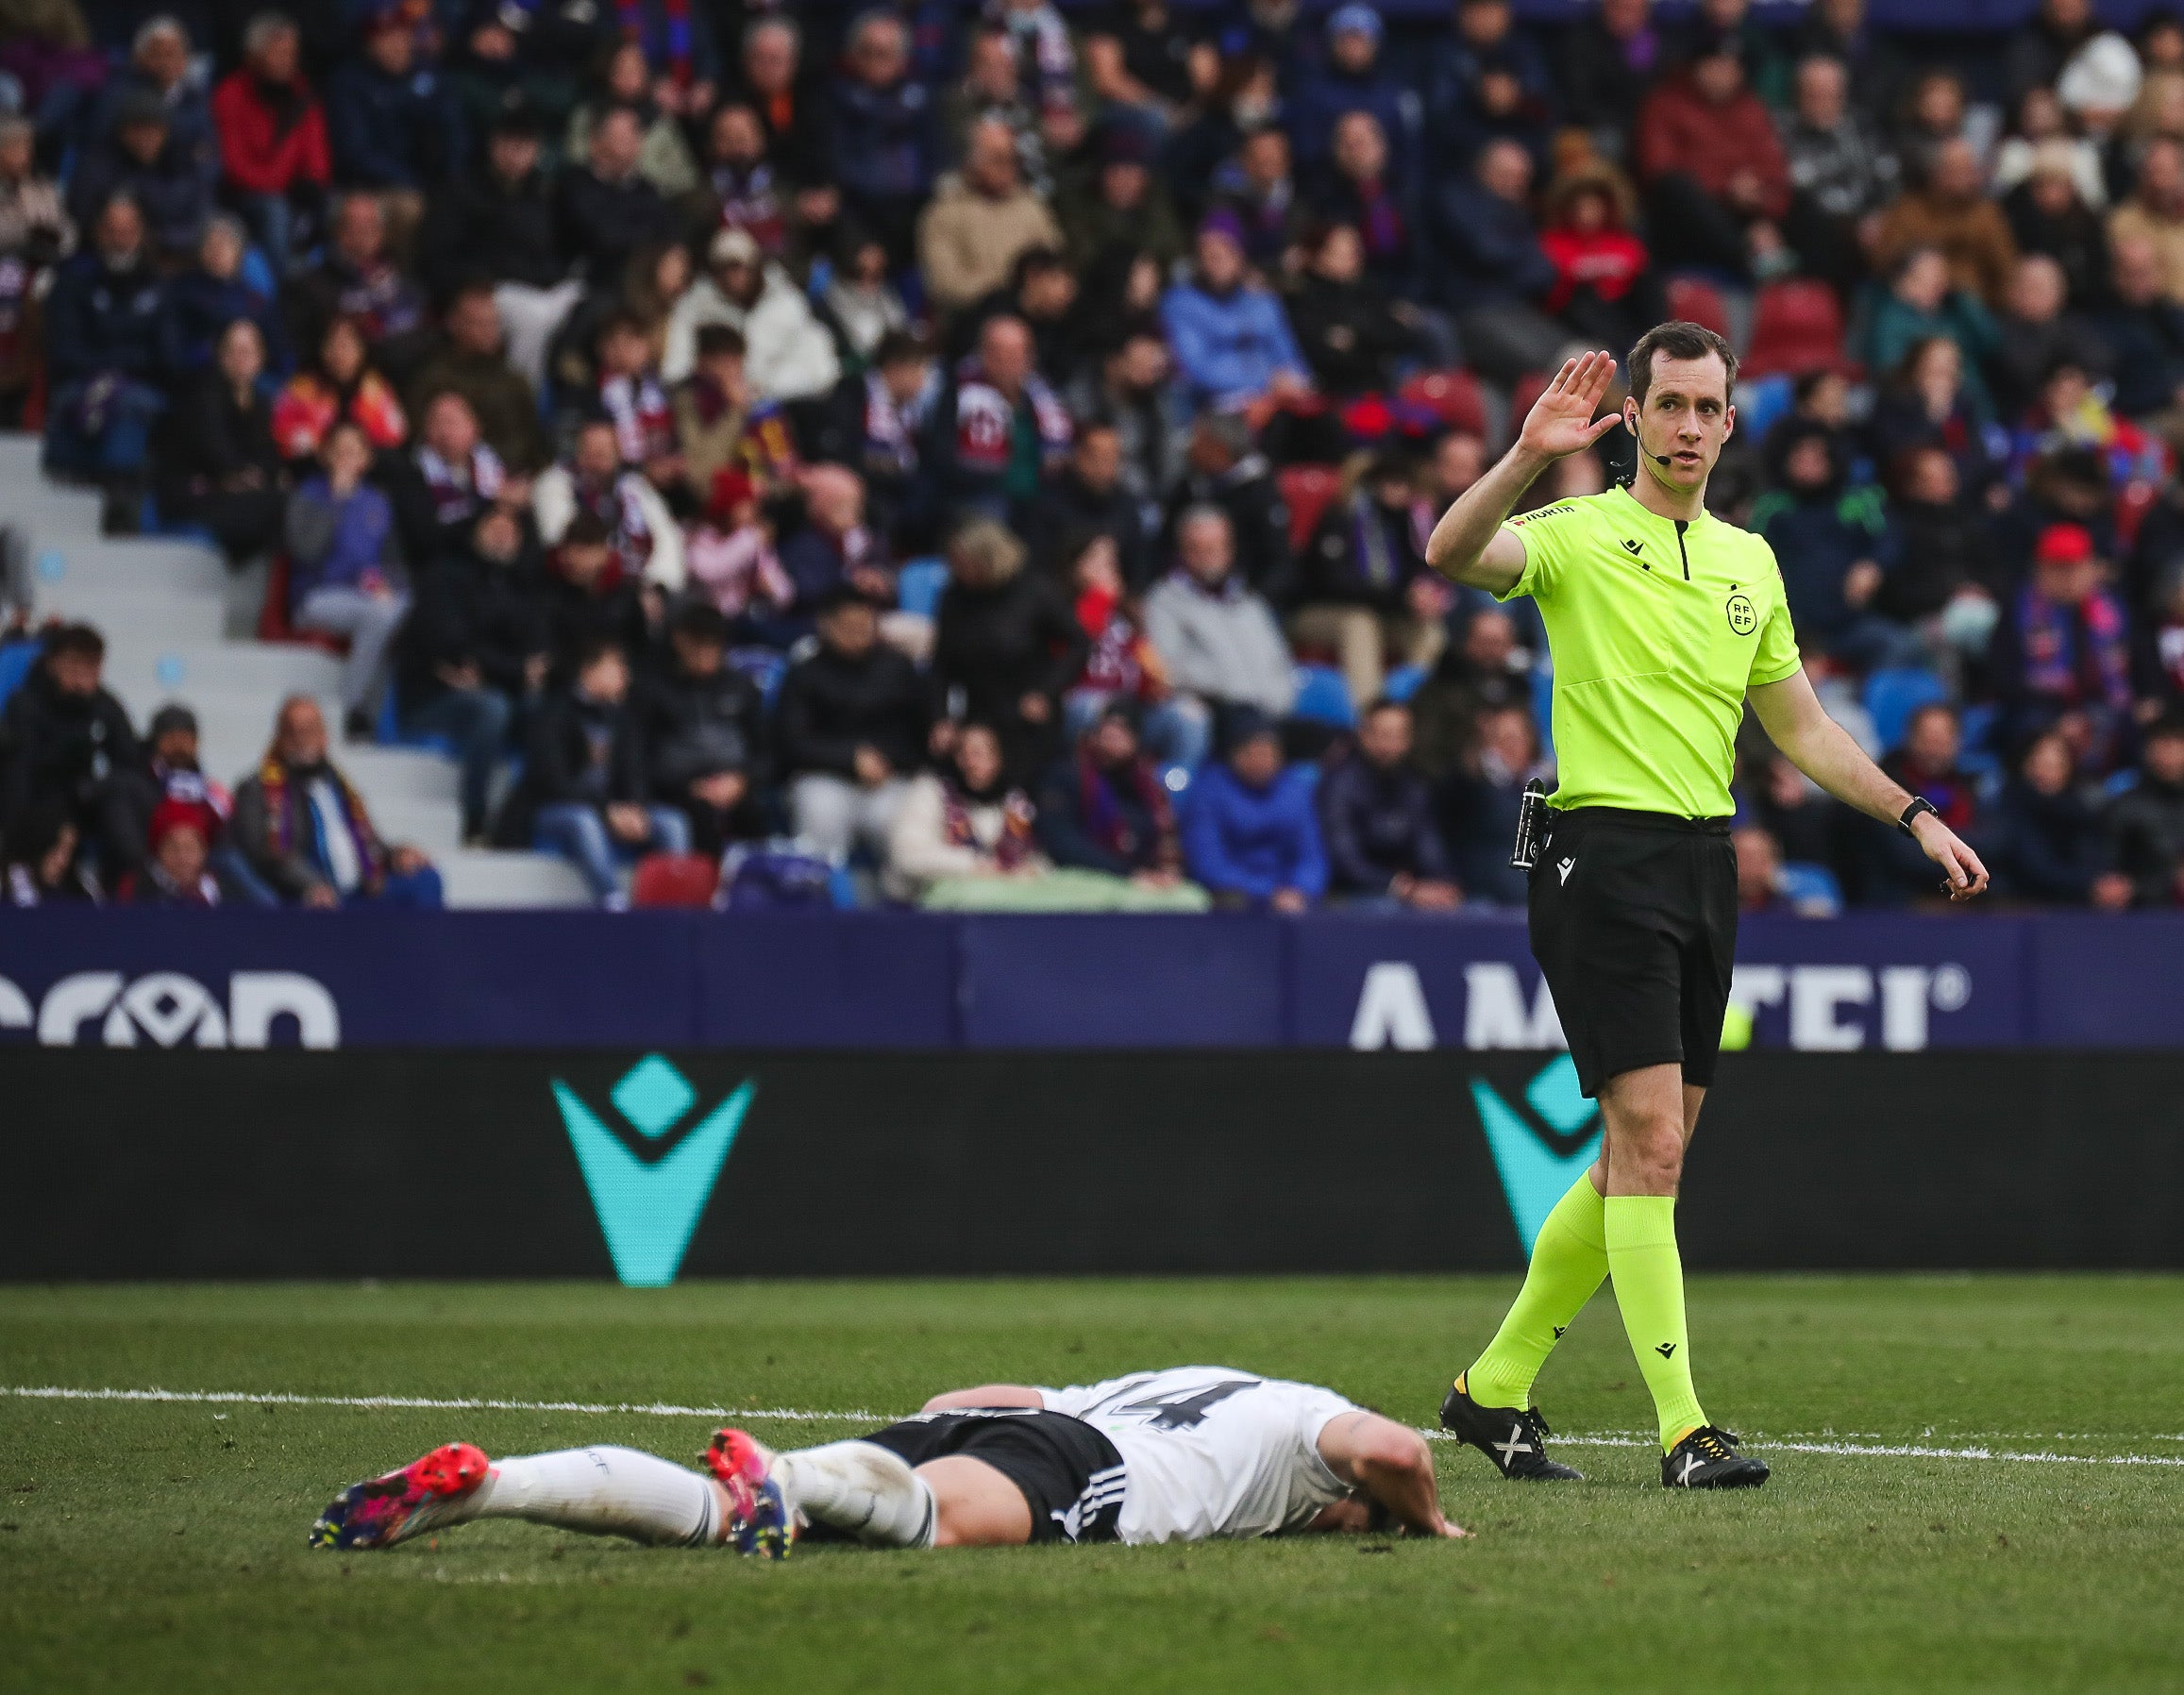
1405	682
1893	694
1323	698
763	666
388	730
1812	890
918	585
1762	403
1980	756
16	658
255	273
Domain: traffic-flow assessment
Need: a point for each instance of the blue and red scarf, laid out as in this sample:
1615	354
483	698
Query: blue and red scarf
643	418
456	494
669	45
749	200
285	802
1013	848
1100	805
892	428
2075	655
985	420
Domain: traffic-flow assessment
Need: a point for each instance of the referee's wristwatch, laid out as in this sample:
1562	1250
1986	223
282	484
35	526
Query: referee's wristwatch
1920	804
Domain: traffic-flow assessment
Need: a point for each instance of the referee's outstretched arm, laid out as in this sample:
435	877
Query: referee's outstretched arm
1468	544
1797	724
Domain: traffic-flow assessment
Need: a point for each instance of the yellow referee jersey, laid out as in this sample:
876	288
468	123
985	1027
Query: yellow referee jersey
1658	628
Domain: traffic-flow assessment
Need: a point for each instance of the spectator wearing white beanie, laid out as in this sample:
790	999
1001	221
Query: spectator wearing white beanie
2100	82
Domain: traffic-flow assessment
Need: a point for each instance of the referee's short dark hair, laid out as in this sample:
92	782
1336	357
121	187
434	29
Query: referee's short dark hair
1677	339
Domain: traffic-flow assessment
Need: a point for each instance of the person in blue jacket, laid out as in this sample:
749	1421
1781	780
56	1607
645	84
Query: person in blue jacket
882	133
392	122
160	66
203	299
1354	76
1250	835
102	356
140	156
1231	337
1383	844
1493	270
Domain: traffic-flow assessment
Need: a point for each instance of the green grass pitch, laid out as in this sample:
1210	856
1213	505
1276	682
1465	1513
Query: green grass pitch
159	1545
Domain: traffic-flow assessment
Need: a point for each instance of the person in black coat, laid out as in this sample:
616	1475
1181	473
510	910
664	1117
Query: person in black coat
1223	468
475	646
590	597
219	466
704	731
1087	499
445	481
585	792
1376	815
1344	326
1364	589
391	122
498	220
102	358
201	301
1940	544
140	156
1103	809
851	726
1005	641
39	862
2144	331
1480	801
607	210
1609	59
70	744
2046	844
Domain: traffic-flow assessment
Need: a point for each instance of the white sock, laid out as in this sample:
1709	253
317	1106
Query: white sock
604	1492
862	1488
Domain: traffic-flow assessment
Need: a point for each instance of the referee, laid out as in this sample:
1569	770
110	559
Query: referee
1663	621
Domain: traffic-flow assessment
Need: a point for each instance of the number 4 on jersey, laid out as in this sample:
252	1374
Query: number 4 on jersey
1185	1412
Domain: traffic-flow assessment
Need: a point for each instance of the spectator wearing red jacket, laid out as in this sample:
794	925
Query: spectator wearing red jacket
1715	176
273	140
1604	286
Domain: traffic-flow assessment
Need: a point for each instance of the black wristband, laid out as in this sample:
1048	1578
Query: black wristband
1919	804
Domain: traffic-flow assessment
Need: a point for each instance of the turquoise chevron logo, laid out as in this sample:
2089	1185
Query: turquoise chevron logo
1535	1172
648	1209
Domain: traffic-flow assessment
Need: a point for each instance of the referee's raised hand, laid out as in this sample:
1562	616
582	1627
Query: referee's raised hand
1561	422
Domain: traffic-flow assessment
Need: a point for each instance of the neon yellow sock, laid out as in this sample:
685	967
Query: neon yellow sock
1649	1288
1569	1262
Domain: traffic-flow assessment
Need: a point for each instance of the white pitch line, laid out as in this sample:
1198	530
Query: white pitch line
1881	1450
465	1403
663	1409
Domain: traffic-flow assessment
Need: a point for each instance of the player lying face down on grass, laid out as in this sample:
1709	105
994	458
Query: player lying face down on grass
1179	1455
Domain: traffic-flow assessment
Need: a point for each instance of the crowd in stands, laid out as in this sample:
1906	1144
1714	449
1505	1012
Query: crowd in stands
990	447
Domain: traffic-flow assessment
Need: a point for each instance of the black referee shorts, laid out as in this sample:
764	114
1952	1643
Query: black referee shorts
1071	1476
1633	923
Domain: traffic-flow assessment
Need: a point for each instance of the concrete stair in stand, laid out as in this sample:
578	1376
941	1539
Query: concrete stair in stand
167	606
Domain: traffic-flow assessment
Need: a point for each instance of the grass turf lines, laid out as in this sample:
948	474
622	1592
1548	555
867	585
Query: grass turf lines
160	1544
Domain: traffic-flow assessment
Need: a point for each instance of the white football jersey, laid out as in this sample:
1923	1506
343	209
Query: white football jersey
1212	1451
